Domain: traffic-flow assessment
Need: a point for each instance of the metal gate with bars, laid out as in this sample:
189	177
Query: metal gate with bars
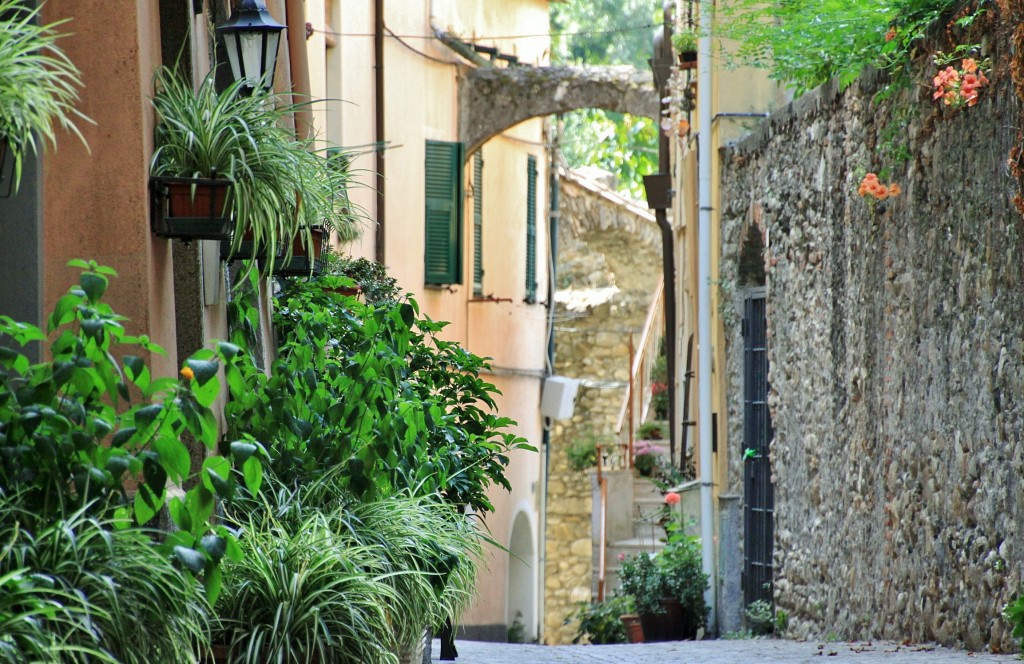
758	493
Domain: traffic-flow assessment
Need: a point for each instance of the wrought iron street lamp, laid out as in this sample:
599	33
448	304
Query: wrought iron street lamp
252	37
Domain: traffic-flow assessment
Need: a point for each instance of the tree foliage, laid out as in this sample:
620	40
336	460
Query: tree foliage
808	42
607	32
591	32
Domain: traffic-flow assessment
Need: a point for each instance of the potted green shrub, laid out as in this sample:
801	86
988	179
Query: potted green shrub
38	85
604	622
650	431
668	588
684	41
266	187
646	457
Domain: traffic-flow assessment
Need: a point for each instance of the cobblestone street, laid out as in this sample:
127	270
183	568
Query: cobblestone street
740	651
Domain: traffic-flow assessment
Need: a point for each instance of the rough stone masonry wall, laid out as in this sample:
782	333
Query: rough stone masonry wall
896	333
603	242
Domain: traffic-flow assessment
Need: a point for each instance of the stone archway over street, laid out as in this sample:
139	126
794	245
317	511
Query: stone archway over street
492	99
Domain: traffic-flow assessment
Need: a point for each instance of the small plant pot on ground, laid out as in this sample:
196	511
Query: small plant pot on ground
634	629
190	208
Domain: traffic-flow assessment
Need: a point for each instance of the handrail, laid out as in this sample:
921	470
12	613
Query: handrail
602	485
641	363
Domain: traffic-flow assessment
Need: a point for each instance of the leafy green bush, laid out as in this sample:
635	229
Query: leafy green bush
674	572
1014	614
372	389
760	617
582	454
599	621
83	429
650	431
376	285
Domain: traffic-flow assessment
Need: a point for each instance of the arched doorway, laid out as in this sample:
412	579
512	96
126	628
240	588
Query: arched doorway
522	581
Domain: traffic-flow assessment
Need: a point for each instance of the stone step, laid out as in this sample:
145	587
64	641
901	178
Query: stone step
648	531
645	489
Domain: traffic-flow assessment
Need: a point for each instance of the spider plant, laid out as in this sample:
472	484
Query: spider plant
302	595
101	591
282	187
428	552
38	83
35	616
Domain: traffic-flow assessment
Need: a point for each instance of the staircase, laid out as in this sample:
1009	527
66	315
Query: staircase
647	534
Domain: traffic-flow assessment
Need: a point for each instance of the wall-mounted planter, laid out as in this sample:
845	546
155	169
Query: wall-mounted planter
190	208
301	264
688	60
247	249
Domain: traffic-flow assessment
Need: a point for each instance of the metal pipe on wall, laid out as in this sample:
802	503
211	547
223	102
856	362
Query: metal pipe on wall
295	19
704	154
378	125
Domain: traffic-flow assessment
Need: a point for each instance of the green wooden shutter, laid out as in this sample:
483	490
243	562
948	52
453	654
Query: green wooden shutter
443	227
478	224
531	229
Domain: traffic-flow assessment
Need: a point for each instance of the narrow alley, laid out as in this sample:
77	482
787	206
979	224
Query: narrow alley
738	651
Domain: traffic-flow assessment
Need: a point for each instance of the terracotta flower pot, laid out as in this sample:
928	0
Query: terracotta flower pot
301	263
191	209
634	630
672	624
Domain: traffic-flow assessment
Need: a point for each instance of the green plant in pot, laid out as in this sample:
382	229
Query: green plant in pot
684	41
601	622
650	431
279	186
668	587
38	84
646	457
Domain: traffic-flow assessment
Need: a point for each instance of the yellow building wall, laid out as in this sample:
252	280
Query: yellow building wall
420	104
96	199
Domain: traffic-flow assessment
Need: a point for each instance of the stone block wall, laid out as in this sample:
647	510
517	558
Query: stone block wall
896	337
609	262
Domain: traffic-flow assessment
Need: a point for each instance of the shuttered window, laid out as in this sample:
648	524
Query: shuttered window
531	229
478	224
443	227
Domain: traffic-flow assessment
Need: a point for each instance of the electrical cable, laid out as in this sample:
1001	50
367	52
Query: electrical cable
582	33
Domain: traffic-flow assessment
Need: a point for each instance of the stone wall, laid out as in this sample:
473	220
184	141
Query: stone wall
609	262
896	335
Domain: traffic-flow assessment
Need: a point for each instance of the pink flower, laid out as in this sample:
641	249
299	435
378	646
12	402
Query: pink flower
622	557
672	498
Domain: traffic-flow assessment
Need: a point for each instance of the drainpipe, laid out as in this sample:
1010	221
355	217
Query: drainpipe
295	18
378	122
704	154
546	436
659	198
